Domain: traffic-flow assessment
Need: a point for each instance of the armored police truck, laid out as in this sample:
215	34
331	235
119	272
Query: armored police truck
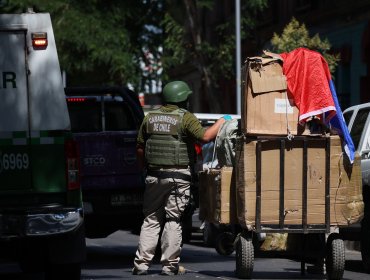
41	218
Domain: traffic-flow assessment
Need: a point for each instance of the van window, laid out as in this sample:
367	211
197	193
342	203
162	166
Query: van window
87	116
358	125
118	116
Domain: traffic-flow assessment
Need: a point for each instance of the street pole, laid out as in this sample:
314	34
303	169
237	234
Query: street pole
238	58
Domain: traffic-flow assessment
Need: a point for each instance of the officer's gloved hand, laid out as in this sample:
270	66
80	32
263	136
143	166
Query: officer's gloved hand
227	118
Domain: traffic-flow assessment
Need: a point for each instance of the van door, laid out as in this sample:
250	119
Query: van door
361	125
14	110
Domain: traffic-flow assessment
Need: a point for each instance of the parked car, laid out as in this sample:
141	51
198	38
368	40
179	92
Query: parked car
105	122
41	216
358	121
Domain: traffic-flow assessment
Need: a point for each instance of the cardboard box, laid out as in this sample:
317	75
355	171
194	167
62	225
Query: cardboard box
266	108
346	204
217	196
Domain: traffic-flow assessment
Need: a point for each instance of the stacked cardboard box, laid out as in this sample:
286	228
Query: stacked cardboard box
217	196
266	107
346	204
268	112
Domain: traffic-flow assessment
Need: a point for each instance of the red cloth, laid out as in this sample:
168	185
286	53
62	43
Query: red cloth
308	78
198	149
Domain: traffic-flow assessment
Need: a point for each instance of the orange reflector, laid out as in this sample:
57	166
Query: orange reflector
39	40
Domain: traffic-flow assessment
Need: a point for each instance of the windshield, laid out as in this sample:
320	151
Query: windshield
88	116
347	116
358	125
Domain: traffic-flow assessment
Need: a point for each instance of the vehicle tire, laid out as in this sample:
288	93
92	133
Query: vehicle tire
136	227
187	228
365	231
70	271
31	266
31	255
335	257
99	227
244	257
365	245
210	233
225	243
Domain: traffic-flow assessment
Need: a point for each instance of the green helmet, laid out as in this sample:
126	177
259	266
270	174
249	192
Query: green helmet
176	91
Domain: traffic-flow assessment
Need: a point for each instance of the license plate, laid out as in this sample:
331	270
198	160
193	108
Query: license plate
124	199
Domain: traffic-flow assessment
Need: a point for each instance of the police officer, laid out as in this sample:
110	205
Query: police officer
165	149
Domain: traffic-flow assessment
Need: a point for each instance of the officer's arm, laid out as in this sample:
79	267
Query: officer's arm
212	131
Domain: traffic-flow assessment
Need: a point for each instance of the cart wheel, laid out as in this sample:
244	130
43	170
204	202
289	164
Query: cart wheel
365	244
210	231
225	243
335	258
244	257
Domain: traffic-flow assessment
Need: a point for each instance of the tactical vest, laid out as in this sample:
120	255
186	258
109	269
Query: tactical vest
166	145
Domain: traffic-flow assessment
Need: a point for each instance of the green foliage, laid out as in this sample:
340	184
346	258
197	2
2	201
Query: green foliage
100	41
205	4
105	41
173	42
296	35
216	52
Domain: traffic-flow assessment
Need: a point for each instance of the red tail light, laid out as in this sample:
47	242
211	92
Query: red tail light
39	40
76	99
72	165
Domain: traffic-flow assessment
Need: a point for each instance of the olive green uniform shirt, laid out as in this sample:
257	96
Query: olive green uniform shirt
191	126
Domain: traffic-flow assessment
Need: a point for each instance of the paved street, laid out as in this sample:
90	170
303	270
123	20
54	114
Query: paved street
112	258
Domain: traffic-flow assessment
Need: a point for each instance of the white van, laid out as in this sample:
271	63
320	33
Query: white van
358	121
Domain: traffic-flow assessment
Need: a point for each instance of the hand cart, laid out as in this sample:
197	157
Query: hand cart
334	252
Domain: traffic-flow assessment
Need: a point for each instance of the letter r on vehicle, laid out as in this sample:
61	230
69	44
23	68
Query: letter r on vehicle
9	77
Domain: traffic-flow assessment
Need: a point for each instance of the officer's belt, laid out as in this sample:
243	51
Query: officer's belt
169	174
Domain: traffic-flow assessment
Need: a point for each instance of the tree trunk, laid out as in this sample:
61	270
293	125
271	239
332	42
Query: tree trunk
206	78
